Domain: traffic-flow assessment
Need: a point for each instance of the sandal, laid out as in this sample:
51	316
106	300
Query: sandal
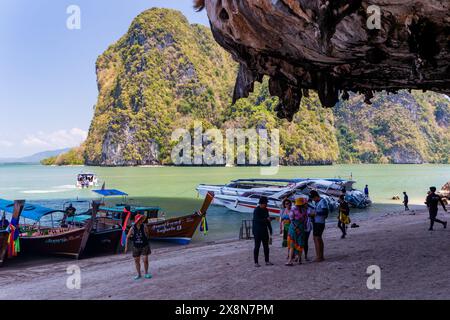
148	276
137	277
289	264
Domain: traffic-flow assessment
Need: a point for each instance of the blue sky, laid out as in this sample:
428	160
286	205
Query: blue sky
47	72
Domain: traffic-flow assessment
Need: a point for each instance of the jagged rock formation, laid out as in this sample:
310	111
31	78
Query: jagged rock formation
165	74
160	75
327	46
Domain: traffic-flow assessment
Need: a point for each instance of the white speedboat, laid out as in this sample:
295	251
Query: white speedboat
247	202
241	186
87	180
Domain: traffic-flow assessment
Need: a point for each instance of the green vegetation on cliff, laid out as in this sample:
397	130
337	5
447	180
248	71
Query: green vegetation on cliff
165	73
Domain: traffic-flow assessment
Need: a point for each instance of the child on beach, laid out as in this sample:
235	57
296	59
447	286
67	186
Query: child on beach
285	221
140	236
344	212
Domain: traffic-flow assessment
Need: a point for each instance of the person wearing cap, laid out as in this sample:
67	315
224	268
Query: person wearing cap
320	215
139	235
432	203
296	237
261	229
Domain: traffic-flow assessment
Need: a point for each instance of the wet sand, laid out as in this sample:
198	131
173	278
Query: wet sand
414	264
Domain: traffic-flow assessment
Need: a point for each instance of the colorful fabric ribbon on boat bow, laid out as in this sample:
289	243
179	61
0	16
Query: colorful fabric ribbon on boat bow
124	227
13	238
204	226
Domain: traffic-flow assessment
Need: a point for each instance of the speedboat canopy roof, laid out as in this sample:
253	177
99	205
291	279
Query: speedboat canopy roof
296	180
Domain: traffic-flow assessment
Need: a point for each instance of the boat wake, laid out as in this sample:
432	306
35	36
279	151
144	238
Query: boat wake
55	189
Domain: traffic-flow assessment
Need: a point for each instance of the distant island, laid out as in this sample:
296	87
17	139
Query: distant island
35	158
165	73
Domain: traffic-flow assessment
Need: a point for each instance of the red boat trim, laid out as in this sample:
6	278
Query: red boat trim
253	207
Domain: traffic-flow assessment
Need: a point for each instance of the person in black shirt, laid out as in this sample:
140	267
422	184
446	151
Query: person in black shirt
261	229
405	200
139	235
432	203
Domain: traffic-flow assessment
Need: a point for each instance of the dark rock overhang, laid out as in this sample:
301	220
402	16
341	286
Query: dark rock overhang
334	46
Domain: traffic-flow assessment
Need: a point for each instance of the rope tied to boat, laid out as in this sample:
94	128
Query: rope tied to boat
204	226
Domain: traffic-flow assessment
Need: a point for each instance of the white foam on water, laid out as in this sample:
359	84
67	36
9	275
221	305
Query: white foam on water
66	186
41	191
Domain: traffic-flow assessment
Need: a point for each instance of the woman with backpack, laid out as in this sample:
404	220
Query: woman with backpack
139	235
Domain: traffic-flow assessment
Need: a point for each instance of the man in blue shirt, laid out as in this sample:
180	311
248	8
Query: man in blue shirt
320	215
366	191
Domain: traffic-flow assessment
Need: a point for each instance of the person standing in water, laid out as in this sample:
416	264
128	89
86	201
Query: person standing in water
139	235
432	203
405	200
320	215
261	229
366	191
343	218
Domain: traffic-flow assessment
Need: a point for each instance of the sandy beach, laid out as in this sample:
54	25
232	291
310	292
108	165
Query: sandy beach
414	265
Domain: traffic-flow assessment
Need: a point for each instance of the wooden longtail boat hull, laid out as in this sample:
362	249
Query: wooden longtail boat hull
3	246
178	230
104	241
69	243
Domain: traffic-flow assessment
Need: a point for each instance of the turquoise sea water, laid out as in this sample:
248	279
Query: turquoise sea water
173	188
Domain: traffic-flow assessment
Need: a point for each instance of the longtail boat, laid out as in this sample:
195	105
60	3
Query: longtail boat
104	237
3	245
46	239
178	230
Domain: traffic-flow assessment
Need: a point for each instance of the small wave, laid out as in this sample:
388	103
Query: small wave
41	191
66	186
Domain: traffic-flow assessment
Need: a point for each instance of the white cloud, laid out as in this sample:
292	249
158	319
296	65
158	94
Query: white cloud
57	139
6	144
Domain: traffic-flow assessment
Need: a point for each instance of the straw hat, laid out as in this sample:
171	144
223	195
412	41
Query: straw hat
301	201
138	218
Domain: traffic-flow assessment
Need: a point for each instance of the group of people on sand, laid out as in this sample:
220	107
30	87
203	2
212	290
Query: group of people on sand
306	215
297	221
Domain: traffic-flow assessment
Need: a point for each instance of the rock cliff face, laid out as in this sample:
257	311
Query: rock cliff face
165	73
160	75
334	47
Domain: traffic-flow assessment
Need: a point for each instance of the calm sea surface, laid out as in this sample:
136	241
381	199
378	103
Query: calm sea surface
173	188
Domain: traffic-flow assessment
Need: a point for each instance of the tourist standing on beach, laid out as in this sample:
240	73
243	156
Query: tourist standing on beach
432	203
405	200
139	235
298	216
366	191
344	215
261	229
285	221
320	215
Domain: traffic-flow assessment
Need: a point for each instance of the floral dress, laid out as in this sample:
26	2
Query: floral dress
295	238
